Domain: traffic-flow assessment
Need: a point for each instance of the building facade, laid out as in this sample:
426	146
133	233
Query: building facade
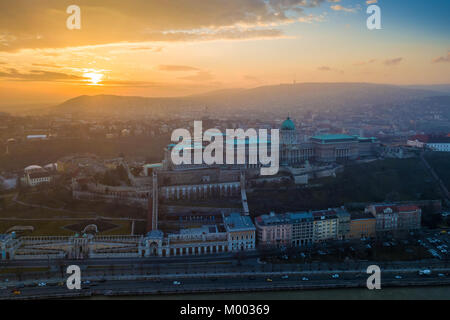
302	228
391	217
35	175
362	225
241	232
433	143
274	230
237	233
325	225
334	147
321	148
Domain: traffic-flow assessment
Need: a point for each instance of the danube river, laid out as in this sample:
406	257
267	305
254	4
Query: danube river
431	293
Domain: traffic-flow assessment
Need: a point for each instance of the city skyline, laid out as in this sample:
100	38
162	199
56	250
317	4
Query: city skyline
189	47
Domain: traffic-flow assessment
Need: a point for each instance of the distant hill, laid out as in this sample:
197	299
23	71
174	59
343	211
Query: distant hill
283	98
442	88
24	109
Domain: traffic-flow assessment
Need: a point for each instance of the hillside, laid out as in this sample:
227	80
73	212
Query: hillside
286	98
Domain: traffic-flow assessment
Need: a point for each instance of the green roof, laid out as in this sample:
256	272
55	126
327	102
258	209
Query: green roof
288	124
154	165
331	137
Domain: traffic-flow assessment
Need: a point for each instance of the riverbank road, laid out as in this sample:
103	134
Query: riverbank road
221	283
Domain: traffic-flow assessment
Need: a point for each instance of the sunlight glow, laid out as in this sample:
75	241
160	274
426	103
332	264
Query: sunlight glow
93	77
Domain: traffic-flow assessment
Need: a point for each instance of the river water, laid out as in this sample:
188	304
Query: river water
425	293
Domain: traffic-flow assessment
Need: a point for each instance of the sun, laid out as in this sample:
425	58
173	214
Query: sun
93	77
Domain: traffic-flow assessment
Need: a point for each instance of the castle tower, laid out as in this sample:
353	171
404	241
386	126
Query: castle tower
288	142
288	132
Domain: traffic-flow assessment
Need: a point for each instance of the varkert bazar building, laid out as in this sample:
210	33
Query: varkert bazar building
235	233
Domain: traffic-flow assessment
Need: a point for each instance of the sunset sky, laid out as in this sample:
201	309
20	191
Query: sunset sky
180	47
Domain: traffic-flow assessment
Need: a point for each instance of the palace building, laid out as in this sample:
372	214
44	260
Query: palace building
322	148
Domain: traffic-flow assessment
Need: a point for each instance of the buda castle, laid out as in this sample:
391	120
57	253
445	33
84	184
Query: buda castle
323	148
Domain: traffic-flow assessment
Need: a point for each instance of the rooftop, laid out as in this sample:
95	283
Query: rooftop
153	165
198	231
431	138
323	214
326	138
283	218
361	215
288	124
155	234
238	222
395	208
4	237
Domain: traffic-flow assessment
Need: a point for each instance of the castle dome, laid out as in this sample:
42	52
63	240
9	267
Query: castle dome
288	124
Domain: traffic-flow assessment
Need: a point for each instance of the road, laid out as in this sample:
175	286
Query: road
225	284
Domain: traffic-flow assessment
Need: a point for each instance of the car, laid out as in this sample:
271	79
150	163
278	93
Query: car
176	283
305	279
16	292
42	284
285	277
398	277
441	275
335	276
269	280
425	272
86	282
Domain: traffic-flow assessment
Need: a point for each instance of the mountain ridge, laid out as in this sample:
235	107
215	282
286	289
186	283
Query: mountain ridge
285	97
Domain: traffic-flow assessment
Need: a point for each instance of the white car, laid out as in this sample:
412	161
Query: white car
335	276
425	272
285	277
42	284
176	283
398	277
305	279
